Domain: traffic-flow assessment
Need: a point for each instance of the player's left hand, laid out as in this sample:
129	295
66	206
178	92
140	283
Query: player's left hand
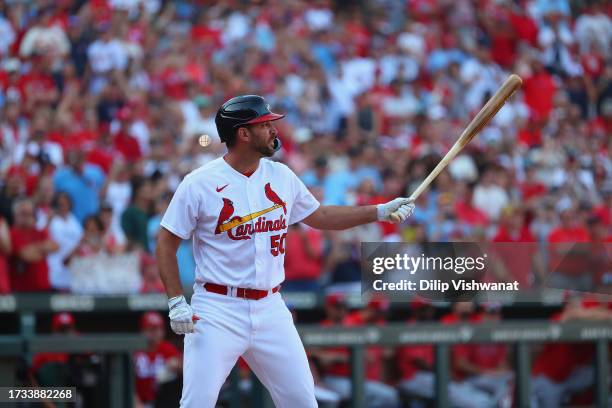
182	317
402	207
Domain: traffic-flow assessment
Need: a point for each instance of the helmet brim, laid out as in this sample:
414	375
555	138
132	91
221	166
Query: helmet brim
265	118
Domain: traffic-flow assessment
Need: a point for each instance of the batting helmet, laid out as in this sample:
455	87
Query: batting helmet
242	110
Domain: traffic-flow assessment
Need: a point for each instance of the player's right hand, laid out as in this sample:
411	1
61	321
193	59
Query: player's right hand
396	211
182	317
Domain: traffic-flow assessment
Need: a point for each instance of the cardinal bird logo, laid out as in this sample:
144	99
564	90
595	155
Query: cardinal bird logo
272	196
225	214
238	228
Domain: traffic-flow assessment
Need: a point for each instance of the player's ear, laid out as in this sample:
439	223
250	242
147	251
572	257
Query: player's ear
242	133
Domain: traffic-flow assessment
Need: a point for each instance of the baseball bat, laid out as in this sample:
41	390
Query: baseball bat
481	119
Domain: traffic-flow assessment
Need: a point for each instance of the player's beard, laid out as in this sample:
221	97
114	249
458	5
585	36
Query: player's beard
263	147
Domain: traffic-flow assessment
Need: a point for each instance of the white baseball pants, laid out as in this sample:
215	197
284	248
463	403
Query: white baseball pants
262	332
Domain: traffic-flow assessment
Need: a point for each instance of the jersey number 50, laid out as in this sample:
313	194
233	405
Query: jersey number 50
277	244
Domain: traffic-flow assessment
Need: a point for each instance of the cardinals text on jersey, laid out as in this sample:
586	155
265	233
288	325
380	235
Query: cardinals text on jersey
238	230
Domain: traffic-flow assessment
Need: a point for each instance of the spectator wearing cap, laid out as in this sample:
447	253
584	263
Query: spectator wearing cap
51	369
82	182
159	363
30	248
63	323
66	230
378	393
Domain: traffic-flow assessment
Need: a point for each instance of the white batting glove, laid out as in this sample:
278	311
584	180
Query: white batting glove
397	210
182	317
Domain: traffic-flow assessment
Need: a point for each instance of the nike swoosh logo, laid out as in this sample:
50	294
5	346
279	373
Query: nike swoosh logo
219	189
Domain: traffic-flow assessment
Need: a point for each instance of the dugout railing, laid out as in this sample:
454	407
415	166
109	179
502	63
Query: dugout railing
520	334
120	346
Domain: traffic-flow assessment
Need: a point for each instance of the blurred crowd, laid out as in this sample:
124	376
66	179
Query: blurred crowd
102	104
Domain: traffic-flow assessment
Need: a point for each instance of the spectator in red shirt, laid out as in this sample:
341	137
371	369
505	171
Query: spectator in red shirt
467	213
415	362
29	269
151	282
522	262
304	259
567	262
604	211
487	364
569	230
563	369
539	89
532	188
159	363
123	142
378	394
599	258
335	360
464	394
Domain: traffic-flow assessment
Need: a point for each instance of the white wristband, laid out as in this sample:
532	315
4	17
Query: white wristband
173	302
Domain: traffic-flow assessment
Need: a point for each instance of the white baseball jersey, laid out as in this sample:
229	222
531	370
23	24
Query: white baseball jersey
239	223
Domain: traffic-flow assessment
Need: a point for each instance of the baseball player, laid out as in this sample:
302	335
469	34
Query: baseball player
237	209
